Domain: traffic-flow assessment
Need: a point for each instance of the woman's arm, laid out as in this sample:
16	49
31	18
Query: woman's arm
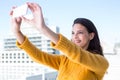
51	60
15	24
80	56
39	23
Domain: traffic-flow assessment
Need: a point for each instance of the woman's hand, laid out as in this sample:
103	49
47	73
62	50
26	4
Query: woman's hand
38	20
15	24
39	23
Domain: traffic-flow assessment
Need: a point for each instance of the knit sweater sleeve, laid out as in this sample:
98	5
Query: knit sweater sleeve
51	60
93	62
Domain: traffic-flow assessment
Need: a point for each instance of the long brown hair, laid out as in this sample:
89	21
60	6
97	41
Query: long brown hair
94	45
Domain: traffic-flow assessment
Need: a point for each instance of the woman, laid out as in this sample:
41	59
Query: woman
82	57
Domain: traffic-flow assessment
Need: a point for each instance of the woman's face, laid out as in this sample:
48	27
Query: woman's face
80	36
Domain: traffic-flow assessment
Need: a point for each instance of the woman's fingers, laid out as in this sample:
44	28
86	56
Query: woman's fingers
33	6
26	20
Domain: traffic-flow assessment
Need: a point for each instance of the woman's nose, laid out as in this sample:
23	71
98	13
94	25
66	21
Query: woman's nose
75	36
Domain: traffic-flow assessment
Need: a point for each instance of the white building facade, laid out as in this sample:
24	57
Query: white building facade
15	64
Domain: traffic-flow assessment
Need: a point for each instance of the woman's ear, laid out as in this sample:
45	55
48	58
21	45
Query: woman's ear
92	35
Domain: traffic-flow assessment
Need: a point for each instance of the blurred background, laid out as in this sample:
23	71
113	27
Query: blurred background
15	64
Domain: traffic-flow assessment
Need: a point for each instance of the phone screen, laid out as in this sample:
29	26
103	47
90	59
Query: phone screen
20	11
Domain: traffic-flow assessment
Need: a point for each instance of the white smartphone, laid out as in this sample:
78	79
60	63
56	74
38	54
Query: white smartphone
20	11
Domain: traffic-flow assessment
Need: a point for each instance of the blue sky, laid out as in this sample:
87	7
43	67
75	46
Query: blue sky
105	14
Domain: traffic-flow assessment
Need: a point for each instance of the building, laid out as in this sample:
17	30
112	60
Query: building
113	57
15	64
48	76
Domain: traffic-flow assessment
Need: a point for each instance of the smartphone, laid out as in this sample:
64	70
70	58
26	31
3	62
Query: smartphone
20	10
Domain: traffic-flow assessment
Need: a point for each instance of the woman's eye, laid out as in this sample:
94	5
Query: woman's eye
77	33
72	32
80	33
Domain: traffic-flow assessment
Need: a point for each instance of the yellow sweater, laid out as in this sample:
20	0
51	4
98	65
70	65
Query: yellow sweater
75	64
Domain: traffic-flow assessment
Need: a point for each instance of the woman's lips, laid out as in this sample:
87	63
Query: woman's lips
77	41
